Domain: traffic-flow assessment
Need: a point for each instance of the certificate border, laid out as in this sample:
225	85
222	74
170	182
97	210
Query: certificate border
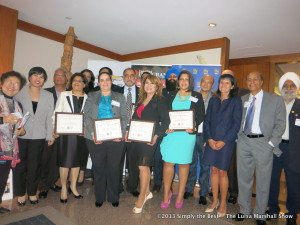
193	110
95	120
55	123
148	121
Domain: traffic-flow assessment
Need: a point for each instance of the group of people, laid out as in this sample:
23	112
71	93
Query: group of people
231	134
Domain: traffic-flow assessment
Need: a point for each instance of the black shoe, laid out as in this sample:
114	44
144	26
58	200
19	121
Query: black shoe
187	195
55	188
271	215
22	203
202	200
260	222
292	220
135	193
43	194
156	188
63	200
4	210
34	202
239	217
115	204
210	194
75	196
98	204
231	199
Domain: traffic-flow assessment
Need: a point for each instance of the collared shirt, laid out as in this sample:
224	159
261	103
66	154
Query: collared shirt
288	107
206	101
258	100
58	92
133	93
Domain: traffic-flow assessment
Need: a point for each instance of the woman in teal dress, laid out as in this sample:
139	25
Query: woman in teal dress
177	147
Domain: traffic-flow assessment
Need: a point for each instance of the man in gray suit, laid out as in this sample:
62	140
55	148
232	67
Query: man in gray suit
261	130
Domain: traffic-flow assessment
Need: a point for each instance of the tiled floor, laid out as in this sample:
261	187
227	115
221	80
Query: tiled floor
84	212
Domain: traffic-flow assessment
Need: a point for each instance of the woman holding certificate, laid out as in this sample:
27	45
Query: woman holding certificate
40	104
151	106
106	155
70	147
10	115
177	147
221	125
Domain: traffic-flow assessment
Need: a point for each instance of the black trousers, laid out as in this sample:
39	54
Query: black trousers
133	170
232	175
26	175
4	172
49	169
106	159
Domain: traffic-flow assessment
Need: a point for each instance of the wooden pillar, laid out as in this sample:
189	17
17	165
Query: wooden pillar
8	30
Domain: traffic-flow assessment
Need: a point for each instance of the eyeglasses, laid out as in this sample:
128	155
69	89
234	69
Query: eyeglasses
15	84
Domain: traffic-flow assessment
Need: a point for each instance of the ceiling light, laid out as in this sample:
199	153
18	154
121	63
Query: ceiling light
212	24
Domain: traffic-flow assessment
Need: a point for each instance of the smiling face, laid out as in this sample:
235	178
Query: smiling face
254	83
289	90
149	87
207	83
78	84
60	78
225	86
37	80
129	78
11	86
105	82
184	82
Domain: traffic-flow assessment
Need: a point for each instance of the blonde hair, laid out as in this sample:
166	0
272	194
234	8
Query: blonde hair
154	80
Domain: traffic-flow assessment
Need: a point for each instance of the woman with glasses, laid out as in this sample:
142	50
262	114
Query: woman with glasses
70	146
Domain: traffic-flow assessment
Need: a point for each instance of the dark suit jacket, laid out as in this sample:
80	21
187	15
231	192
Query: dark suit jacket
198	107
157	111
242	91
294	136
52	90
121	90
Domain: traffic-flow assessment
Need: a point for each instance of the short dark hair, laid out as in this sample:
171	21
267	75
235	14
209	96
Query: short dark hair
110	72
37	70
191	80
91	83
129	69
233	91
104	73
85	89
14	74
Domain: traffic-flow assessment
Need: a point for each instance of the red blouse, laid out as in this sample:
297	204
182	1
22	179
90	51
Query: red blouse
140	110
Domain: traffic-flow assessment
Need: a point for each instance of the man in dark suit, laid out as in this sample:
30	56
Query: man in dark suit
262	127
232	172
289	85
131	93
49	170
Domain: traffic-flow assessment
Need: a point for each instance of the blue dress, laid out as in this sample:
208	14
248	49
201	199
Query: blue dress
222	123
178	147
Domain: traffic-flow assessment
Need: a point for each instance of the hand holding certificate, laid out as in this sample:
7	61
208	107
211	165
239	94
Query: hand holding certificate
181	120
141	131
107	129
69	123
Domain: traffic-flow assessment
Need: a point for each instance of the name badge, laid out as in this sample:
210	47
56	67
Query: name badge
297	122
247	104
115	103
193	99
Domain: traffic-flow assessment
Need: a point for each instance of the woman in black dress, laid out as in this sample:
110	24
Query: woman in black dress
70	146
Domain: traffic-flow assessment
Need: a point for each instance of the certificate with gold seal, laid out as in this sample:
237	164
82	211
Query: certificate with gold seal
108	129
181	119
141	131
69	123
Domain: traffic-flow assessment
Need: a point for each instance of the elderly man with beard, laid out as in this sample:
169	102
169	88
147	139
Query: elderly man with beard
289	85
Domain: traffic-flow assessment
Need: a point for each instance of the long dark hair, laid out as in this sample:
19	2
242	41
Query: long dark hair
91	83
233	91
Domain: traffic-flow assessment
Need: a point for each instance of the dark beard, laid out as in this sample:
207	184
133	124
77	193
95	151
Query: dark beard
171	85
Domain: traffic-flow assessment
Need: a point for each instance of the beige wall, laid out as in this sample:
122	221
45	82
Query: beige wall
32	50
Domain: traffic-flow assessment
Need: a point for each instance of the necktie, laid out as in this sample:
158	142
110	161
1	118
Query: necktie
129	104
249	117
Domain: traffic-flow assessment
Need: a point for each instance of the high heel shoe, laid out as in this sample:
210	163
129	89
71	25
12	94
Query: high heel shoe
139	210
209	210
178	205
22	203
149	196
165	205
221	214
75	196
63	200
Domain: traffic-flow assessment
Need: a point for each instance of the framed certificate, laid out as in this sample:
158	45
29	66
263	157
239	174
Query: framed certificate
69	123
108	129
141	131
181	119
